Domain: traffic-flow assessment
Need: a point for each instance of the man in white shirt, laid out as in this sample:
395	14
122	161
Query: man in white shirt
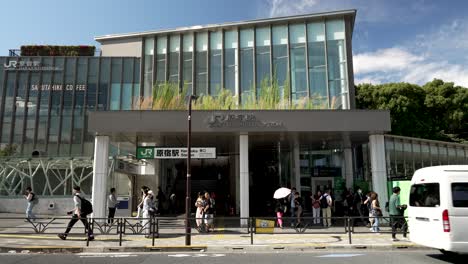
112	205
77	215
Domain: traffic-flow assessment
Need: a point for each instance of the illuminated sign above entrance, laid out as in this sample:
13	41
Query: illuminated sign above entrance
174	153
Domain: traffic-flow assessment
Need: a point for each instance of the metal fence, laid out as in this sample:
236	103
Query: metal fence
160	227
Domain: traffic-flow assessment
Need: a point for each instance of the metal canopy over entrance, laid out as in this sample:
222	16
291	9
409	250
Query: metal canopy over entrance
256	151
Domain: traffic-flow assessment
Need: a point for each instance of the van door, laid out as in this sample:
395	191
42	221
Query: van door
425	214
458	213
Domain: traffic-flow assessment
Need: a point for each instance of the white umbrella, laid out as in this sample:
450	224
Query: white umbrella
281	193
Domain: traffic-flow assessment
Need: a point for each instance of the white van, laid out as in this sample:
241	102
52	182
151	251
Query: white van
438	208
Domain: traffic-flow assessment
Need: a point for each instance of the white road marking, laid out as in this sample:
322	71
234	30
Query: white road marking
218	255
340	255
179	255
103	255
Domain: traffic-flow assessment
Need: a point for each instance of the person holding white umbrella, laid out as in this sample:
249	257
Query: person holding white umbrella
281	202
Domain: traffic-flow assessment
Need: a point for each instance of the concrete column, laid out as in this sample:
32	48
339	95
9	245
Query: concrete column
244	176
100	171
379	169
348	158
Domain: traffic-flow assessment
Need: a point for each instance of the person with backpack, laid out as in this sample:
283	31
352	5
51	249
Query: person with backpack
82	209
325	204
32	201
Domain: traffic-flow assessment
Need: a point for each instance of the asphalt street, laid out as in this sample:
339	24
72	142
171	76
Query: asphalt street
322	257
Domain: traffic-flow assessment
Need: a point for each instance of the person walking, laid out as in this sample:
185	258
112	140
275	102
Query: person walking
148	207
298	205
326	203
376	212
199	204
32	201
112	205
292	205
359	206
142	199
82	208
279	212
316	207
209	212
396	213
368	203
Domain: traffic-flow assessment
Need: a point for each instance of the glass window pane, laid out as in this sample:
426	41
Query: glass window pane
116	86
246	58
262	43
417	155
317	67
174	51
44	103
216	47
148	74
230	60
202	61
337	64
127	84
425	195
426	155
390	157
104	83
55	108
460	194
188	60
280	56
20	107
161	60
298	63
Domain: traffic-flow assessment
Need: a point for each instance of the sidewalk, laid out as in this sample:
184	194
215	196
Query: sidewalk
172	238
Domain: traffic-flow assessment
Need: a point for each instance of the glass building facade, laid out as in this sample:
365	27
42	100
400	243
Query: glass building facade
308	58
44	106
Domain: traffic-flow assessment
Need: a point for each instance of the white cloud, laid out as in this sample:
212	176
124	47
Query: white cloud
397	64
384	60
290	7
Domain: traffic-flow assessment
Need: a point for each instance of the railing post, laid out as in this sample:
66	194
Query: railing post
251	227
349	230
119	229
152	229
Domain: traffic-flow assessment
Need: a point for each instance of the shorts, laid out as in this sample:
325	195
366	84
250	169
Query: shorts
208	219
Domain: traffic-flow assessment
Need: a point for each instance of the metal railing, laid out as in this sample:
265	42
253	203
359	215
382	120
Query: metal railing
161	227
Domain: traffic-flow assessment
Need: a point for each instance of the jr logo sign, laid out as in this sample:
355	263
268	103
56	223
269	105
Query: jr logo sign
145	153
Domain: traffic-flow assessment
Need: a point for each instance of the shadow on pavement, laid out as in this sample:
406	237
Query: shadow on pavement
454	258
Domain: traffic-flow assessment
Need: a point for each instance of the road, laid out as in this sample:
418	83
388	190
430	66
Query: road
322	257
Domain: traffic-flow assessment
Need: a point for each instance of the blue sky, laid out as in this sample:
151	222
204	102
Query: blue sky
398	40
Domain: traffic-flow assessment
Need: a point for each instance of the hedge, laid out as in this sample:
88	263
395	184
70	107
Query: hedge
47	50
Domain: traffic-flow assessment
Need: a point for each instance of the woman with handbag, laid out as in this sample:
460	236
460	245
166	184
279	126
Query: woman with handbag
376	211
147	211
200	204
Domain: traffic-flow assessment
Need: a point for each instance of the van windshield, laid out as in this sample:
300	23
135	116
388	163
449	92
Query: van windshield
460	194
425	195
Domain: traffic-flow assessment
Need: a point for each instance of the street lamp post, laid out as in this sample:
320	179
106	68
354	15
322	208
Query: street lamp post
189	174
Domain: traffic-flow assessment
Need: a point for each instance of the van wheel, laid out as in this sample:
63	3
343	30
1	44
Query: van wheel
448	253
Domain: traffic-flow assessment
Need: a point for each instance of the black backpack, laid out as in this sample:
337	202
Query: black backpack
323	201
86	206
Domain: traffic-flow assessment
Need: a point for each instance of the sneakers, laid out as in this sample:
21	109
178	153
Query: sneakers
395	239
91	238
62	236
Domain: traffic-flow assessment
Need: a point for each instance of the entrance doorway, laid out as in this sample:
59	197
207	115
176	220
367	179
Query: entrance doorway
322	184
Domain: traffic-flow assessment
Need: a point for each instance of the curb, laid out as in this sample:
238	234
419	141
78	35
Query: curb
204	248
